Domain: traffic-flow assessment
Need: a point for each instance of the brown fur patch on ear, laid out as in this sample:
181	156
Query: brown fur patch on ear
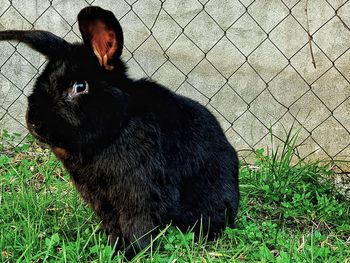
103	41
60	153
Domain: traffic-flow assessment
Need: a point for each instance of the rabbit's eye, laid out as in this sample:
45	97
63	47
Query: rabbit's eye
79	87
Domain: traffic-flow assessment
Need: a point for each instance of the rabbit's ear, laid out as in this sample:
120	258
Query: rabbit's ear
103	33
44	42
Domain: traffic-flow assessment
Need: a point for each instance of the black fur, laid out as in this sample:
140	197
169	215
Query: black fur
139	154
45	42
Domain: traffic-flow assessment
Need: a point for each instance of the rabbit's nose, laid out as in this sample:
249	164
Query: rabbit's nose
33	126
32	119
32	123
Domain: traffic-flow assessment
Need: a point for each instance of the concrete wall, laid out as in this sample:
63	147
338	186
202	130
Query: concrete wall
248	61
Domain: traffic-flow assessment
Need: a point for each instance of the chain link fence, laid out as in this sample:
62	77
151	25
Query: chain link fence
256	64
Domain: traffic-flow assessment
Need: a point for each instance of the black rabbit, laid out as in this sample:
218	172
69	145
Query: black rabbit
139	154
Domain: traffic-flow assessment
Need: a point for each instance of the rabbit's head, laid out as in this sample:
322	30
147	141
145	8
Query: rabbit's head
77	103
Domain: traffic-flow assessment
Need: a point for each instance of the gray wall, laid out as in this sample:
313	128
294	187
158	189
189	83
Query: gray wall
248	61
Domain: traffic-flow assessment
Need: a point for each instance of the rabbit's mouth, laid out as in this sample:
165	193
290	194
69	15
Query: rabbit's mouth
60	153
34	129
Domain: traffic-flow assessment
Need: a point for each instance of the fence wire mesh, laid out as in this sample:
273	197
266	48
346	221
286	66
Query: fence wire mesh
256	64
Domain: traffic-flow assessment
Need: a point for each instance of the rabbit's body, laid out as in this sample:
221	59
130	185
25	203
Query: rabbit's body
139	154
169	163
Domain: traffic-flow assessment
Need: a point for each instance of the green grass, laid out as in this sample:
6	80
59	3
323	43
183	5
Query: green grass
288	213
